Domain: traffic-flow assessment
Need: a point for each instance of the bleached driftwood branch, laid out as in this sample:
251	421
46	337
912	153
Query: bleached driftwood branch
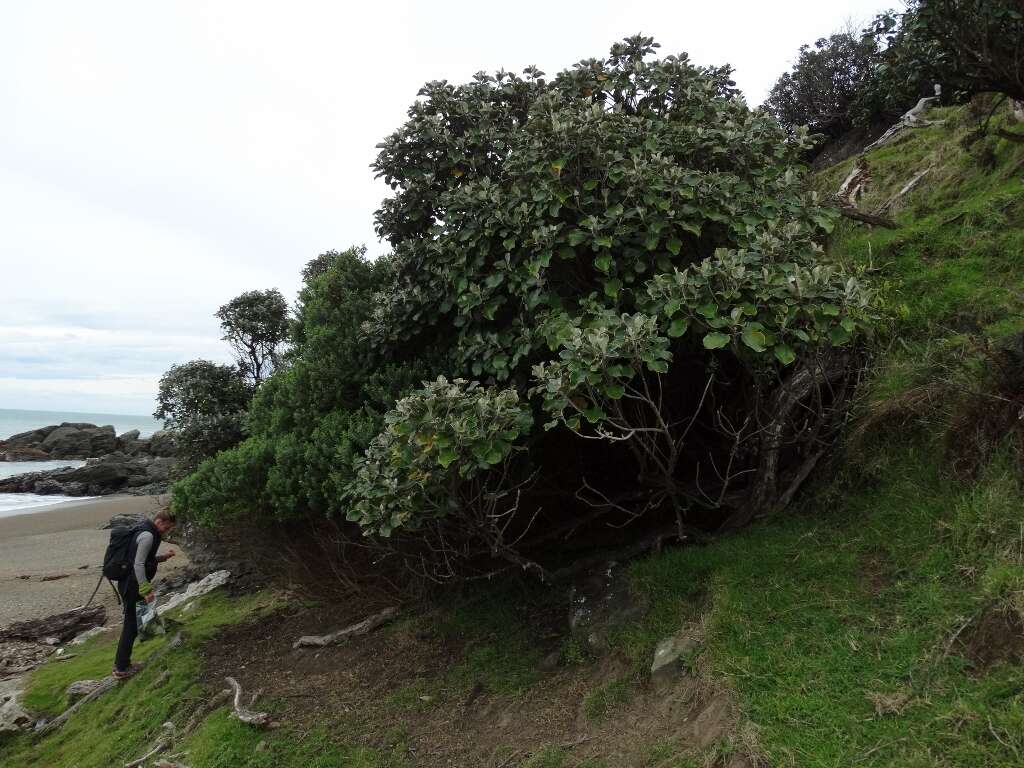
256	719
912	118
853	187
364	627
911	185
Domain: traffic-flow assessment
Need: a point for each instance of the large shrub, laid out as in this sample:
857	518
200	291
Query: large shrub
624	253
633	218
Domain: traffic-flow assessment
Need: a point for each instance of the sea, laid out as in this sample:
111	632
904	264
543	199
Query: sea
14	421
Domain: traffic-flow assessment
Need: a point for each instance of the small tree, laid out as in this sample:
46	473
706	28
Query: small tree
203	404
825	85
255	324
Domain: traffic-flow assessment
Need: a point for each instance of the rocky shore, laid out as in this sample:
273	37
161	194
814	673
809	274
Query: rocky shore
125	464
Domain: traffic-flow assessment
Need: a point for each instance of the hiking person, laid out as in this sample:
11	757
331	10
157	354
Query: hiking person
137	582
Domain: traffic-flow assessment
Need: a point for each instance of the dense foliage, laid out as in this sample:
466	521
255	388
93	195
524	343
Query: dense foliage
203	403
850	81
829	89
971	46
625	250
856	80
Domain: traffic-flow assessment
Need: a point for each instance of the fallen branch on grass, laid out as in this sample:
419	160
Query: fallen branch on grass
855	184
868	218
912	118
63	626
159	747
106	684
256	719
364	627
1011	135
890	204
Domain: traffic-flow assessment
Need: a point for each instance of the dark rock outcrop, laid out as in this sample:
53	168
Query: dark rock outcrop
79	441
114	473
124	463
72	440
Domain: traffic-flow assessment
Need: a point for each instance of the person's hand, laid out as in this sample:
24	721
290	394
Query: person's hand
167	555
149	598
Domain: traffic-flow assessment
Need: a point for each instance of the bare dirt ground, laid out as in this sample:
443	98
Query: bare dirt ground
390	688
50	559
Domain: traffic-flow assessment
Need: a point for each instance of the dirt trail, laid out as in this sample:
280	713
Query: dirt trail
390	688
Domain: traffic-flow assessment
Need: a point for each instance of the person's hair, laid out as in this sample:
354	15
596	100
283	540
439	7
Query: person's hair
167	516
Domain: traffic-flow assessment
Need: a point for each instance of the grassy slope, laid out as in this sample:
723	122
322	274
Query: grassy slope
834	626
123	724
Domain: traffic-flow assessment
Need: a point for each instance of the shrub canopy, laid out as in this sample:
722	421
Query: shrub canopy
624	253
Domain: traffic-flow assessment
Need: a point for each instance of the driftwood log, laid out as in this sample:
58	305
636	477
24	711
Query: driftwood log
850	212
856	182
890	204
106	684
256	719
912	118
63	626
364	627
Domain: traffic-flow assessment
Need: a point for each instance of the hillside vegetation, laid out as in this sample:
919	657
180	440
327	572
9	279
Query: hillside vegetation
877	624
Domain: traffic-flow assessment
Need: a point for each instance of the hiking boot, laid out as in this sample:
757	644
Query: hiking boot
118	674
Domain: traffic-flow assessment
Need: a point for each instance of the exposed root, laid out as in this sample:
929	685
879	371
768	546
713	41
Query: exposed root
255	719
364	627
912	118
200	714
159	747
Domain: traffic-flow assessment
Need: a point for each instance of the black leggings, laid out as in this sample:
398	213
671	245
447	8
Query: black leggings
129	591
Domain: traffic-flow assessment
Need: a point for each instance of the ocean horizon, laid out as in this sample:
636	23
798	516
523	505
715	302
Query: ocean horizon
15	421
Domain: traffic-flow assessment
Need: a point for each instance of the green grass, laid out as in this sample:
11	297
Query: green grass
957	261
223	742
609	697
815	615
121	725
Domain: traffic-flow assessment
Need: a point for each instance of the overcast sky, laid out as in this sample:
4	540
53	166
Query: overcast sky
158	158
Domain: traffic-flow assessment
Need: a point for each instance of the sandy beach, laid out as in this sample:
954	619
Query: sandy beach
50	558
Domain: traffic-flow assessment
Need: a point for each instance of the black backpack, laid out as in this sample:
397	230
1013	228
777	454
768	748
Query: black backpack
115	559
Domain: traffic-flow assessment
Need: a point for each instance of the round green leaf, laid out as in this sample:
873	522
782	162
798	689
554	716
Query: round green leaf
784	353
715	340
